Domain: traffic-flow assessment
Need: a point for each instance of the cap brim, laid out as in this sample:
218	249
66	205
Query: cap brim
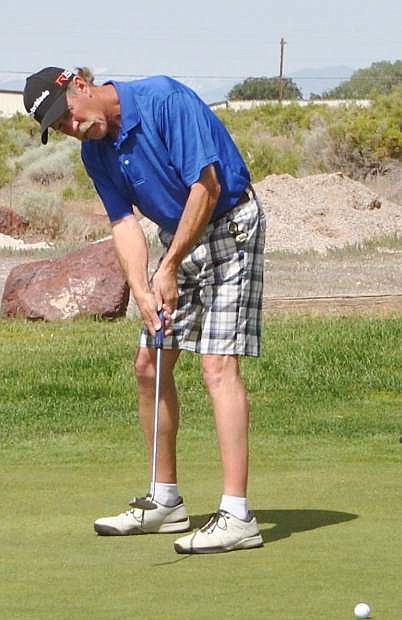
57	110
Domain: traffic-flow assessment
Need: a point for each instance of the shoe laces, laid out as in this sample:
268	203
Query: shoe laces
216	520
131	511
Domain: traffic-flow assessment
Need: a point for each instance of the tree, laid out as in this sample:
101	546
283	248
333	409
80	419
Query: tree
379	78
264	88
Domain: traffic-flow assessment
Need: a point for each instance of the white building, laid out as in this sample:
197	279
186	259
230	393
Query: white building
11	101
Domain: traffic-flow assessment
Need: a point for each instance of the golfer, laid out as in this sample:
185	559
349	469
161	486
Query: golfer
155	145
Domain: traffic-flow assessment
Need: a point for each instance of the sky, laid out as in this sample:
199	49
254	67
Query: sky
210	45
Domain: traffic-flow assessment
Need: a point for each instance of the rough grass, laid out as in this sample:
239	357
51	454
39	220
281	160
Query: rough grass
391	243
339	377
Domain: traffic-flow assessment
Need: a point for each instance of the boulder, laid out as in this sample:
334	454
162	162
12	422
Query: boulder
11	223
85	282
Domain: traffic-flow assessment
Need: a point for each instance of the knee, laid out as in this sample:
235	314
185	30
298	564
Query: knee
218	370
144	367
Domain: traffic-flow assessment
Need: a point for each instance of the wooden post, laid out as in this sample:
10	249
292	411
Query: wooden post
280	85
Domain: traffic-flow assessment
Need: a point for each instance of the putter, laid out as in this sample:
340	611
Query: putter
147	503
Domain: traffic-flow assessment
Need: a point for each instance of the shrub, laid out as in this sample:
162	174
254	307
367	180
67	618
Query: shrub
68	193
53	164
25	124
44	211
79	228
15	134
7	150
324	150
85	187
265	156
265	88
268	138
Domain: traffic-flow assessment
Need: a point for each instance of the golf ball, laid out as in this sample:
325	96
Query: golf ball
362	610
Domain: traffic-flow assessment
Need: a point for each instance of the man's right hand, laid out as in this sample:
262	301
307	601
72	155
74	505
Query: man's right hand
149	312
132	251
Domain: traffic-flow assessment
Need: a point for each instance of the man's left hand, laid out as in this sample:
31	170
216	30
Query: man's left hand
164	287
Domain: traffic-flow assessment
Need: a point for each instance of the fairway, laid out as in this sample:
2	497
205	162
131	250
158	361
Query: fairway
325	483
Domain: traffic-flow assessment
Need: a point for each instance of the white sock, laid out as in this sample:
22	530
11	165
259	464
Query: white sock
165	493
237	506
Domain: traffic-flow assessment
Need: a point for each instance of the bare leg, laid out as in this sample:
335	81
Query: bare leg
145	371
231	409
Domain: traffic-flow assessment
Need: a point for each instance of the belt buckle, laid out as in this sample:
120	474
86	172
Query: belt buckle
233	228
239	234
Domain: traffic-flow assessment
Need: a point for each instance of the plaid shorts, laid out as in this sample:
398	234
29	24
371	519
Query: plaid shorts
220	286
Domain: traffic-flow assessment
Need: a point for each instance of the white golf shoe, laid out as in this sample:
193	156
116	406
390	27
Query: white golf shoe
163	519
223	532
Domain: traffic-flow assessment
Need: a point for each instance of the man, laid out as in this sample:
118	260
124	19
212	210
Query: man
154	144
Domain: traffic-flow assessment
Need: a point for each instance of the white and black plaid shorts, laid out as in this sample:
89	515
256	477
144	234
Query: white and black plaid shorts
220	286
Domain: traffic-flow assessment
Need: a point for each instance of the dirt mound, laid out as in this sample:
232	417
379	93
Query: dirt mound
324	211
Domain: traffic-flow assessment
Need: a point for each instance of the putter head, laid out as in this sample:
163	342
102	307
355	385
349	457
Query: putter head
143	503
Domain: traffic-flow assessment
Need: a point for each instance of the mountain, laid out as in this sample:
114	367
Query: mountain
10	83
211	90
310	80
320	78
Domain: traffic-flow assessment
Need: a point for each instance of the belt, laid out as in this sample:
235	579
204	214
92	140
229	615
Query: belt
245	196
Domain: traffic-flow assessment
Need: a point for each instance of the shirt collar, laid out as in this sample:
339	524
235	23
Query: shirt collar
129	114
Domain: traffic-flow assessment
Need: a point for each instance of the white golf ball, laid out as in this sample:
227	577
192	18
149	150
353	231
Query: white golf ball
362	610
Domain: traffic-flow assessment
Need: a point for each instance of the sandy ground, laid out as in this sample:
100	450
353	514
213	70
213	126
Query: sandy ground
322	212
375	273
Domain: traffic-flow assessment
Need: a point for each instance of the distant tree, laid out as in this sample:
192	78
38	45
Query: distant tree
379	78
264	88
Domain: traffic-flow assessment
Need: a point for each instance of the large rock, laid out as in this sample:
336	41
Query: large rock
11	223
85	282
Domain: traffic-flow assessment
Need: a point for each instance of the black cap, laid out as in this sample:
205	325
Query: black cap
45	96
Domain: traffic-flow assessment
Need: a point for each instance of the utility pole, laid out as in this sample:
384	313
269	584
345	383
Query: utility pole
280	84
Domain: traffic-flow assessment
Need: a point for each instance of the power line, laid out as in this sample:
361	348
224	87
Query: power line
214	77
105	74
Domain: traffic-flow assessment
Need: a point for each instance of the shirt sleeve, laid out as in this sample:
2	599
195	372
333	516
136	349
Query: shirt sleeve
186	125
117	206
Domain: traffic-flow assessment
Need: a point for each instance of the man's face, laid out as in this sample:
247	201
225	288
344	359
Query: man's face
83	120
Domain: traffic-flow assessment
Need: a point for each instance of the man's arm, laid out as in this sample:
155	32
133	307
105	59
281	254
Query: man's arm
201	202
132	251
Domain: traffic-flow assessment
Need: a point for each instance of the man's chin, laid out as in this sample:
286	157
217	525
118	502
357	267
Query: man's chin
86	131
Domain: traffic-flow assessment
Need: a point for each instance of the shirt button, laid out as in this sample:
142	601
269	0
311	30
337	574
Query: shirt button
126	161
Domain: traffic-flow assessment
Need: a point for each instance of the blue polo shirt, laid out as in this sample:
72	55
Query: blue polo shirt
167	136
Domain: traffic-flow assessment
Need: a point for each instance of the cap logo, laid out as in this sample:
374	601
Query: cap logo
38	101
63	77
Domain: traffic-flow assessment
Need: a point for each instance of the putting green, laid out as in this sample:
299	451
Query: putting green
329	513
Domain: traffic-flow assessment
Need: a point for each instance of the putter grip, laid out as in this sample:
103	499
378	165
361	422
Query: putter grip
160	333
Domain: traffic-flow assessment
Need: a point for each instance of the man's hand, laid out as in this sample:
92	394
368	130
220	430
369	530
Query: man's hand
149	312
164	287
200	204
132	251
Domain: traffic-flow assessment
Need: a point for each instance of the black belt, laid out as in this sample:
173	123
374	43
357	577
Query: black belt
245	196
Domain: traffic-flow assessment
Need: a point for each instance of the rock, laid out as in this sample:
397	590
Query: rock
11	223
85	282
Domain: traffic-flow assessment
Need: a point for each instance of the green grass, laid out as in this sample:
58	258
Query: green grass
325	477
390	243
329	515
340	377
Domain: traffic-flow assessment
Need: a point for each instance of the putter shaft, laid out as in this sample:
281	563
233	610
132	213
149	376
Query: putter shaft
147	503
156	420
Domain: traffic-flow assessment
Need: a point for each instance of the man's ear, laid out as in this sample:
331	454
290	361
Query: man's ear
80	84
